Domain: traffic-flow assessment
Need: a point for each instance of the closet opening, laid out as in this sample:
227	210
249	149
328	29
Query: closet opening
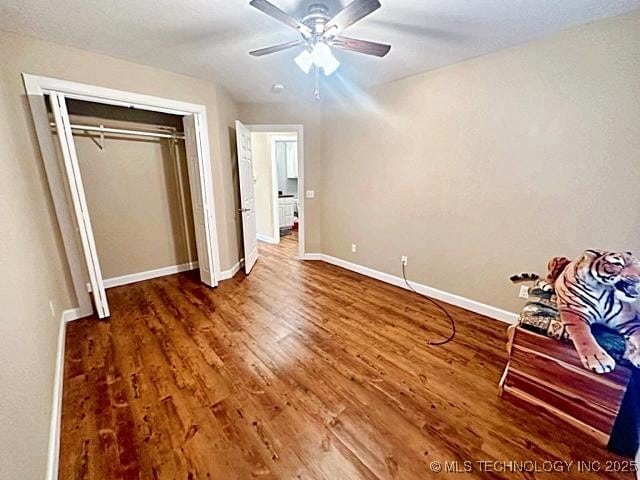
131	182
136	183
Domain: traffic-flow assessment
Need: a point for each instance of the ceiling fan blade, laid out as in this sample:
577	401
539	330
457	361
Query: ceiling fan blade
276	48
361	46
356	10
270	9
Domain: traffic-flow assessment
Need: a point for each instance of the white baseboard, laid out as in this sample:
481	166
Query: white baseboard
266	239
227	274
312	256
56	402
75	314
149	274
53	452
450	298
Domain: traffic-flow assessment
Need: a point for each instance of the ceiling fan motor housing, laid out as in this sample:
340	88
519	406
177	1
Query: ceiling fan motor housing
316	18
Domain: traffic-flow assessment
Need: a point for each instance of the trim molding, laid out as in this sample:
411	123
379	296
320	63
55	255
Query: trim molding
158	272
37	85
75	314
450	298
53	451
266	239
227	274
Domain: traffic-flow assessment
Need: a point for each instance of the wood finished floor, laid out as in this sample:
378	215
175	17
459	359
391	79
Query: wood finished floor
301	370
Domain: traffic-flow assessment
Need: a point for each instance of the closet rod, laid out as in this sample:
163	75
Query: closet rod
120	131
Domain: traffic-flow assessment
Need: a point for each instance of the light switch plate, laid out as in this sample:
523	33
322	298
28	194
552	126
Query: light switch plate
311	194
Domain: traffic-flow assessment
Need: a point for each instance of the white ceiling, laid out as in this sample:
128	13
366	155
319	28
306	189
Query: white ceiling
211	38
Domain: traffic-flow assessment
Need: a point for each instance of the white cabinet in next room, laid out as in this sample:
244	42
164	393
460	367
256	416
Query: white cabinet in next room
286	211
292	159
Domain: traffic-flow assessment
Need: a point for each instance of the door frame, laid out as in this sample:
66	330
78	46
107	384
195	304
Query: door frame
299	130
36	87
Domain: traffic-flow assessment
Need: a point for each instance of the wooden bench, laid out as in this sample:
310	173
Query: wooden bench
547	374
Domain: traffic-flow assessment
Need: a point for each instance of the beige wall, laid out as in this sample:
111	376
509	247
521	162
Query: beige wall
489	167
308	115
226	182
32	264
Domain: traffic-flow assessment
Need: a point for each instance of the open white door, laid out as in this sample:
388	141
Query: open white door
247	196
76	188
199	183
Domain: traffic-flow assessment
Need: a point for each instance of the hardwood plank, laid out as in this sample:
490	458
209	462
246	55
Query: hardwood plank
300	370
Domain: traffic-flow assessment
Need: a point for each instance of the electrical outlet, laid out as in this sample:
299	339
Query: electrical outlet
524	292
354	248
310	194
404	260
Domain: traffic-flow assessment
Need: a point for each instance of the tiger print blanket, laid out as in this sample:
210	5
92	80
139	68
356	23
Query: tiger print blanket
598	287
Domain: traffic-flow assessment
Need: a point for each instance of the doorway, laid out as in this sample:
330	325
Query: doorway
67	187
276	182
271	159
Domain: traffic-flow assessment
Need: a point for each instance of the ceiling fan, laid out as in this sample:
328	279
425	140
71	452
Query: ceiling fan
320	33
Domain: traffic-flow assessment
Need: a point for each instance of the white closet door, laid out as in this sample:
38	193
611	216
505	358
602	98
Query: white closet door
198	183
247	196
76	188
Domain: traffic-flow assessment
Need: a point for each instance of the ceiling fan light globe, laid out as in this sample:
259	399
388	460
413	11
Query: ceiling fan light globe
304	61
320	53
330	66
323	58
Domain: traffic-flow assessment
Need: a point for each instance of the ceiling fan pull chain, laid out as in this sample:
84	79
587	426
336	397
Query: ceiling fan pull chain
316	92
